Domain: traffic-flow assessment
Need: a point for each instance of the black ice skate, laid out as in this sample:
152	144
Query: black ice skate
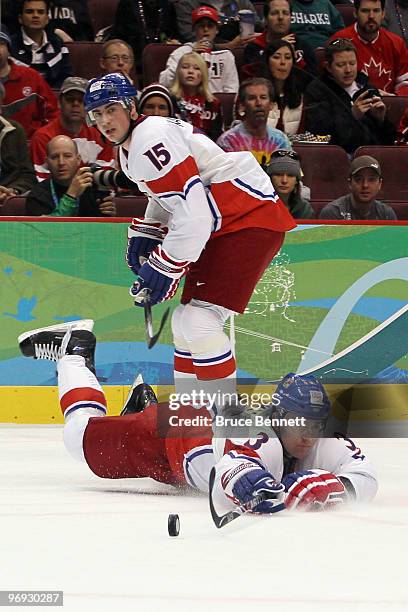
55	341
139	398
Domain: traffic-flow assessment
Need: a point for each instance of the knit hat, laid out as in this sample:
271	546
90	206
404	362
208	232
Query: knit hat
5	38
364	161
284	164
155	89
205	11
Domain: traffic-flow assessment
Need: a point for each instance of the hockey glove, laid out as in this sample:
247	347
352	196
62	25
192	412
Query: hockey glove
313	490
143	237
254	482
159	277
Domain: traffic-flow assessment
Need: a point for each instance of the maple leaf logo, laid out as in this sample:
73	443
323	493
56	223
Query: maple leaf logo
377	74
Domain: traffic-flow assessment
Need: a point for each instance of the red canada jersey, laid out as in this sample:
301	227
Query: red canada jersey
384	60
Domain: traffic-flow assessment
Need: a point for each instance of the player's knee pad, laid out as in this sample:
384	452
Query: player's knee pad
176	327
202	327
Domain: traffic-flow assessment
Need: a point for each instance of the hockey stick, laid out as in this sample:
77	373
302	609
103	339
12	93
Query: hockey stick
150	336
224	519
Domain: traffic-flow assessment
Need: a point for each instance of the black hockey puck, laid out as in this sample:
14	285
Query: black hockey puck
173	525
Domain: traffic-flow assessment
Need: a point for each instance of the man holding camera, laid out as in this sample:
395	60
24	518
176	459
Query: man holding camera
342	103
70	191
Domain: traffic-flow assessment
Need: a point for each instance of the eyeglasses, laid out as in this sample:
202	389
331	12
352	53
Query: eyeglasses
284	153
116	58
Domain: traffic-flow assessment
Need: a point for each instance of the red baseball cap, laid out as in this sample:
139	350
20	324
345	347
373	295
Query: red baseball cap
205	11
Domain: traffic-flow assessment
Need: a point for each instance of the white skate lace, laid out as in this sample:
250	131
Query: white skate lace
52	351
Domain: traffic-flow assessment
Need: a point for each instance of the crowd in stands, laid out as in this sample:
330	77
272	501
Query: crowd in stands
306	74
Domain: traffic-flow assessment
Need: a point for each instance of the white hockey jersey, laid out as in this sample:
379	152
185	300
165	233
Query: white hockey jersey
195	188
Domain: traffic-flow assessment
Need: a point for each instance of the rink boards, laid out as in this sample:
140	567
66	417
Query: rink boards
333	301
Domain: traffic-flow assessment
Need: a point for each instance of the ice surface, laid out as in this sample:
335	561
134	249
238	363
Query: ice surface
105	542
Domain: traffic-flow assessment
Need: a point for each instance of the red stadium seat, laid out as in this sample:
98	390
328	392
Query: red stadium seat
227	102
325	169
396	106
130	206
394	162
102	13
318	205
85	58
400	209
347	12
14	207
154	60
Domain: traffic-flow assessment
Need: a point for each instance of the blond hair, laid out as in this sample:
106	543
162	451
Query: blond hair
203	89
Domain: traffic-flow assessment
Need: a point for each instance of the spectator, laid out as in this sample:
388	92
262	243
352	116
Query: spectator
71	122
360	204
71	18
223	75
29	98
287	108
277	24
38	47
344	105
69	191
16	170
117	56
314	21
156	100
228	11
396	18
402	131
284	170
253	133
196	103
381	55
143	22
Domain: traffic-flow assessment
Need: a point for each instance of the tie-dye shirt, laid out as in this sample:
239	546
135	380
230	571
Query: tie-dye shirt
239	139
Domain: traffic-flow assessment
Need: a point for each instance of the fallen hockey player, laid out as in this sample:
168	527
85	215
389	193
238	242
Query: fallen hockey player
295	466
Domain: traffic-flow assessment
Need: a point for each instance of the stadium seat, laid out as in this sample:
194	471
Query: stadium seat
396	106
394	162
259	7
325	168
319	55
130	206
318	205
154	60
347	12
13	207
400	209
227	102
102	13
85	58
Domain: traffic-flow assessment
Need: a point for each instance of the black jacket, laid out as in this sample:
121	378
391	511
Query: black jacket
40	200
328	111
57	65
16	168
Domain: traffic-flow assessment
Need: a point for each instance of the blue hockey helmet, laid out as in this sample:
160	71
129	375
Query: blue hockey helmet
304	396
113	87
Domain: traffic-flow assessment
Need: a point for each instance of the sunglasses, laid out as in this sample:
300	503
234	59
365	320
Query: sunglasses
284	153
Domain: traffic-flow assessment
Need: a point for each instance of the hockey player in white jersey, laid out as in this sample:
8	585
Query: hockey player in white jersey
213	217
295	468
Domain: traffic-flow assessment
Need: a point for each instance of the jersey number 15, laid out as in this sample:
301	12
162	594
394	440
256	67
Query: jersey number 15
158	155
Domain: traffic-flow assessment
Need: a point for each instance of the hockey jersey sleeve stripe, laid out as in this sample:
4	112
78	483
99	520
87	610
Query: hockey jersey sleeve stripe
187	464
255	192
175	181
